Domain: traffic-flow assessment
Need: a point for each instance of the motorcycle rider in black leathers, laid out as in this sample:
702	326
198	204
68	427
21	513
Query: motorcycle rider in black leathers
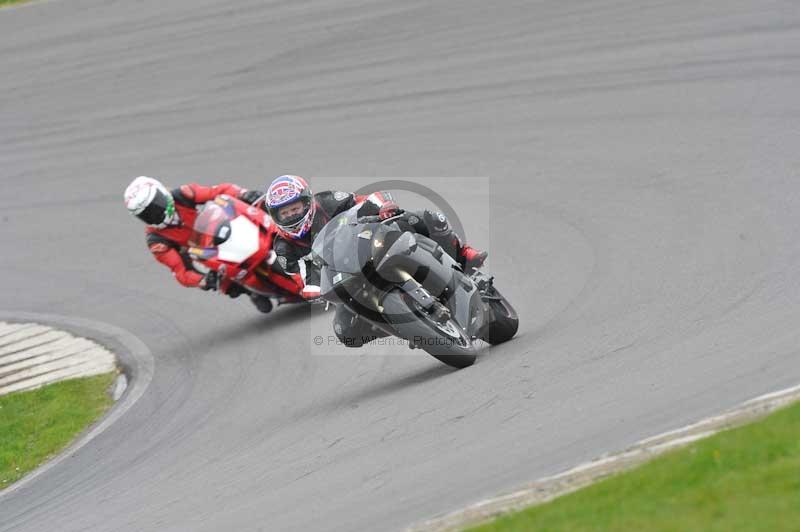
300	215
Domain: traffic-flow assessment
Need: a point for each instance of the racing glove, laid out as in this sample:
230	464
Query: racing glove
250	196
210	281
388	210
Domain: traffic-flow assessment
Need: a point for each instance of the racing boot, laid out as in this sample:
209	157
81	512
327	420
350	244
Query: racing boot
262	303
471	258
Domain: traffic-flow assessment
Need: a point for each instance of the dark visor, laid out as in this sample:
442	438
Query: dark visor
156	212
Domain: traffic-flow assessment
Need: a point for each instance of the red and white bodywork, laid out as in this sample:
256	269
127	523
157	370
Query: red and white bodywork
235	240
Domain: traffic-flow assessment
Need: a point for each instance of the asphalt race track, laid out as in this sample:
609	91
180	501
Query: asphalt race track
639	195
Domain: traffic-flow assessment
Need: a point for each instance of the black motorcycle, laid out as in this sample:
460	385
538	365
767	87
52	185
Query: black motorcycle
405	285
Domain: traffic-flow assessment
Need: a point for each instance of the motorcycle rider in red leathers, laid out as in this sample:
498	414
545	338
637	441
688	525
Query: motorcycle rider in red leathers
170	215
300	215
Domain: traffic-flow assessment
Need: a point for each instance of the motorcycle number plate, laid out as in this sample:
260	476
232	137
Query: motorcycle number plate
242	242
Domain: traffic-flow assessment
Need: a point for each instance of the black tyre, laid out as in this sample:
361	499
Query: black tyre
505	322
446	342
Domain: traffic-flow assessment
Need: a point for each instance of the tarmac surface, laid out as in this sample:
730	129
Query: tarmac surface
631	167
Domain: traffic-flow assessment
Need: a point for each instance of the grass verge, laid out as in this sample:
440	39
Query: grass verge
9	2
746	478
37	424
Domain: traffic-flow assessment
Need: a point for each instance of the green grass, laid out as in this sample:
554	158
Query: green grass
743	479
37	424
9	2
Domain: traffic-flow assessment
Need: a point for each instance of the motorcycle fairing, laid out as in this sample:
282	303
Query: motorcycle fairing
242	242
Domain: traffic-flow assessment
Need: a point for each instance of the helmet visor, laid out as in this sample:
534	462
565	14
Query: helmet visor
292	214
157	211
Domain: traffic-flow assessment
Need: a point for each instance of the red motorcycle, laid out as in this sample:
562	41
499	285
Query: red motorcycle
235	240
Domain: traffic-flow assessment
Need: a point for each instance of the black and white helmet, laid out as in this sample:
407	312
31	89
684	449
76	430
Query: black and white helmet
150	201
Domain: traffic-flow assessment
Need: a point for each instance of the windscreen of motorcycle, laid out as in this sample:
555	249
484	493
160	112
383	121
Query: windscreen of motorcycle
346	246
232	238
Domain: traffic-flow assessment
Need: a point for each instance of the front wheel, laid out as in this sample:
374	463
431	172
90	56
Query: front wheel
504	320
445	341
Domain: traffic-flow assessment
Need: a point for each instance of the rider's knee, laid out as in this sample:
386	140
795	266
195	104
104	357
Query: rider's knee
441	232
438	224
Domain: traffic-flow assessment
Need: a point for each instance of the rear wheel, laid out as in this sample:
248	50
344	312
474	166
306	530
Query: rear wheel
444	340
